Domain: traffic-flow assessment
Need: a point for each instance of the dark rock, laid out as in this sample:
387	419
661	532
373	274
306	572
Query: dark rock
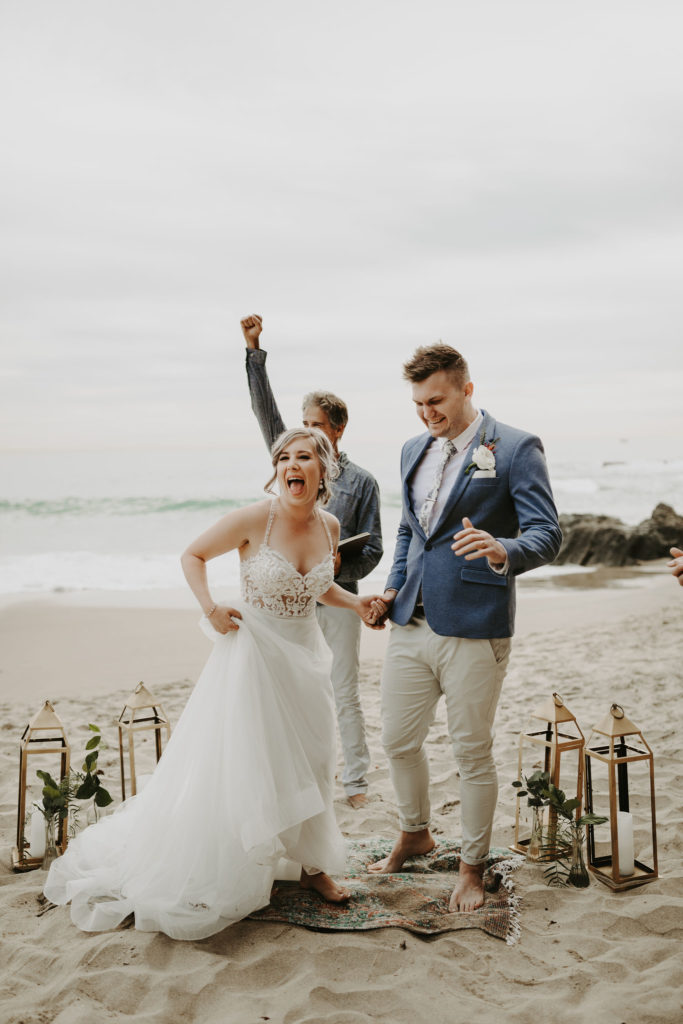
653	537
605	540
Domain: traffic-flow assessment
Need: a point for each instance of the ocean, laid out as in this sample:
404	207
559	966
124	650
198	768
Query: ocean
119	520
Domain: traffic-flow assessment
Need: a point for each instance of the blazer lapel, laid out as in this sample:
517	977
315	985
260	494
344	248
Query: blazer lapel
462	480
412	466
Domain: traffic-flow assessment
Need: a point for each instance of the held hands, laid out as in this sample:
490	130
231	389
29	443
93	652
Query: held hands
676	564
373	610
379	609
222	619
251	329
473	543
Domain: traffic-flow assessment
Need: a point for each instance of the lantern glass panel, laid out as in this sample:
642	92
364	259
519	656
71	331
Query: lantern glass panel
145	744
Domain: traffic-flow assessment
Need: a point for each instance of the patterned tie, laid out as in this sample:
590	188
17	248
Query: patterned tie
425	515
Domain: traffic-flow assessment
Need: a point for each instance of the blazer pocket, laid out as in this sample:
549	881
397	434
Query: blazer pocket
477	576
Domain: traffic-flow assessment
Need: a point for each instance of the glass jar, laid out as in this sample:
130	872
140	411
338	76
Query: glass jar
578	872
51	853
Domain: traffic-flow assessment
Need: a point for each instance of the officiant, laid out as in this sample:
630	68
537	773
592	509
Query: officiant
355	503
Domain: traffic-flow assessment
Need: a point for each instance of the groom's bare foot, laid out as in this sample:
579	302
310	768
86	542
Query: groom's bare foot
325	886
408	844
469	892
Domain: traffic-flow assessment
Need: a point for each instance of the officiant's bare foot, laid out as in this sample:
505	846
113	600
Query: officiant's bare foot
408	844
325	886
469	892
357	800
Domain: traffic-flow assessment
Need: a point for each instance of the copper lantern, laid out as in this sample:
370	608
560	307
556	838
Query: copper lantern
556	748
142	713
44	734
620	783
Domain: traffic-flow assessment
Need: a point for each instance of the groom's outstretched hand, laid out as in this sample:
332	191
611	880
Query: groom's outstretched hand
676	564
251	329
473	543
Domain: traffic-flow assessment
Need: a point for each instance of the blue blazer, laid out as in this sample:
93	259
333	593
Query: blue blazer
468	599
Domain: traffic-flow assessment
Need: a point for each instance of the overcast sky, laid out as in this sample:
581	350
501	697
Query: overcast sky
370	176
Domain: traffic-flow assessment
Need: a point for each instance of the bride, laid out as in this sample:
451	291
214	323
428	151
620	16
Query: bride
247	777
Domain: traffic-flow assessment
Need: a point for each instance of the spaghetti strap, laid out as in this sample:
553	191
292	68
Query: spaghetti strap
271	516
327	531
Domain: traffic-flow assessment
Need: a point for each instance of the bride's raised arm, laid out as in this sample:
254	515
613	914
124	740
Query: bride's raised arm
236	530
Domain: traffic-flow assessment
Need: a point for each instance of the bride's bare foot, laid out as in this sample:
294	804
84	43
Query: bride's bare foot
469	892
325	886
408	844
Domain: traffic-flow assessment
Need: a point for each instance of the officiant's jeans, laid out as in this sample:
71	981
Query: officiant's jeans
419	667
341	629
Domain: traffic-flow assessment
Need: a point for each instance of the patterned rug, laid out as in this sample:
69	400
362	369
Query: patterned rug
416	899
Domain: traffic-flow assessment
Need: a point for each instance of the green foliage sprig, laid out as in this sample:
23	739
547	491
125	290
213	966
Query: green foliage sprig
90	782
58	797
536	791
564	831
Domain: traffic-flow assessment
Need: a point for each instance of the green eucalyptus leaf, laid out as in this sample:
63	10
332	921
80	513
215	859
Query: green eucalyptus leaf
47	778
92	742
592	819
86	789
94	728
102	797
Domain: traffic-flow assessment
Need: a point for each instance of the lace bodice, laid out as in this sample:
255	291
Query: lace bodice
270	581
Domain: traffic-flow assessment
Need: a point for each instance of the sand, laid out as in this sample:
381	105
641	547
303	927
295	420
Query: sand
591	954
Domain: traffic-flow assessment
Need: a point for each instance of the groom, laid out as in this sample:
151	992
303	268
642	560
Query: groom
477	511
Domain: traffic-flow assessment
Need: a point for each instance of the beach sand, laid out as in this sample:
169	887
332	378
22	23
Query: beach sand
582	955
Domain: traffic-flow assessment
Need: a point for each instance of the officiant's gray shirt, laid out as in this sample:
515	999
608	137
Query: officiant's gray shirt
355	494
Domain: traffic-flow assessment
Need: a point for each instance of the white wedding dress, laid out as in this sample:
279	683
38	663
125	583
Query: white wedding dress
246	779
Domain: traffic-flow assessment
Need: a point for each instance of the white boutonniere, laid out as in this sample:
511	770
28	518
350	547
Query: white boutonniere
483	457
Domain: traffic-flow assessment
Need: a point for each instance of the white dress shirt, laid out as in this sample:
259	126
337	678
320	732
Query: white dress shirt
423	477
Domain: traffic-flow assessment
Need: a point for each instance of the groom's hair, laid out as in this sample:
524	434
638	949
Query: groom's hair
430	359
336	410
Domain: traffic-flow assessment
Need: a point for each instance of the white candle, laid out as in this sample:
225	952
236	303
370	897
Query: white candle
625	840
37	834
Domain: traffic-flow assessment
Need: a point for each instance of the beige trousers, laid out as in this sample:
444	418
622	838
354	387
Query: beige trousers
419	667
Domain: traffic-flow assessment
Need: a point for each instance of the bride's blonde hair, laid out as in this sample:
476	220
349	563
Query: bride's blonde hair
323	450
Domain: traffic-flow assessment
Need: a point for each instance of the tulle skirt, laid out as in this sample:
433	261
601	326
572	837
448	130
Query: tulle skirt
246	780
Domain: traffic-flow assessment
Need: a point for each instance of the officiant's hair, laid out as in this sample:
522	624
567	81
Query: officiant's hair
430	359
323	449
336	410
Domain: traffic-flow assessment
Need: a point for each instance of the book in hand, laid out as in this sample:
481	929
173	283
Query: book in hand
352	546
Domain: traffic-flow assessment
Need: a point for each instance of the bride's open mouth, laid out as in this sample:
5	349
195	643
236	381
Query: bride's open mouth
295	484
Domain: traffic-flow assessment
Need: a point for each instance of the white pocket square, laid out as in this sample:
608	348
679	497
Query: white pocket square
484	472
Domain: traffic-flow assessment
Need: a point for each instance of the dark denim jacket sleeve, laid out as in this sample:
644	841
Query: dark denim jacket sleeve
263	401
367	521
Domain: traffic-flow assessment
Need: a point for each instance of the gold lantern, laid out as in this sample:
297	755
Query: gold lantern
44	734
619	746
141	713
556	749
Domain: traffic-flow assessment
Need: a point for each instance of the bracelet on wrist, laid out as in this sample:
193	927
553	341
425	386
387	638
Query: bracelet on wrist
209	614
